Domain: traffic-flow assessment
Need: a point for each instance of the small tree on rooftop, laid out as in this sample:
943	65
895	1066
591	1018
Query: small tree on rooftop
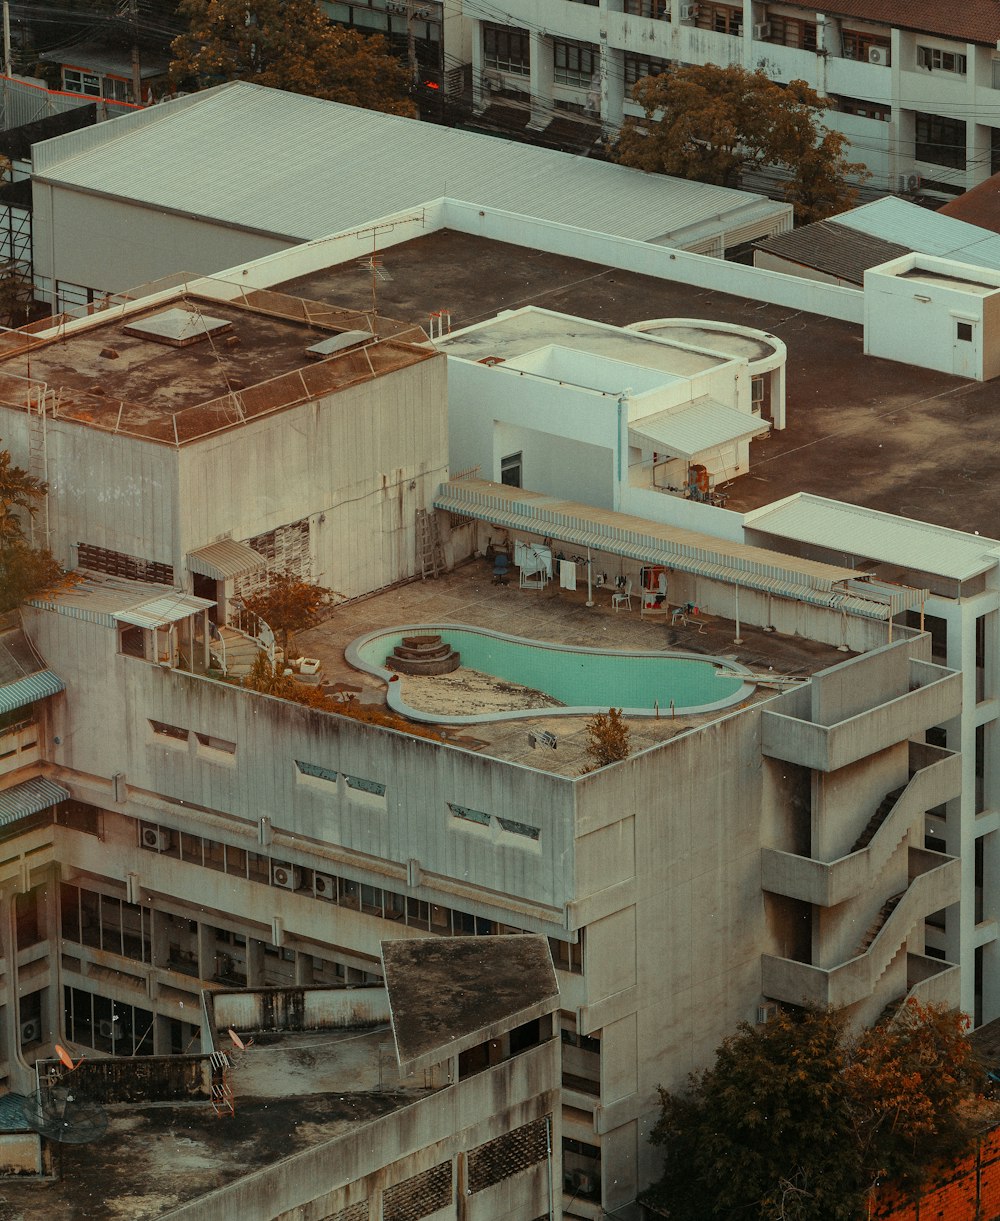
25	571
287	604
608	738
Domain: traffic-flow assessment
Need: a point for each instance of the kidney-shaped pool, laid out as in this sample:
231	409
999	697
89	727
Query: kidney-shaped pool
583	681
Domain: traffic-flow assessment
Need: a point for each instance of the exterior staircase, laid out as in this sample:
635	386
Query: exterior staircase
877	819
885	911
233	651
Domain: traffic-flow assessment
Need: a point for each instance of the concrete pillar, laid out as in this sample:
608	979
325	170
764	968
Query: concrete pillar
613	89
480	94
303	968
206	951
159	939
255	963
541	81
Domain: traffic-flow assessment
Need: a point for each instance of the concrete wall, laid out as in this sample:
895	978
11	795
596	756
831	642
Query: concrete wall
300	1008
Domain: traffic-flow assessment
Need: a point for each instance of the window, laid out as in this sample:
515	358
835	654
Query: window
519	828
118	564
943	61
173	732
722	18
865	109
475	816
857	45
217	745
87	83
506	49
510	470
639	66
939	140
659	9
361	785
791	32
963	331
576	63
316	772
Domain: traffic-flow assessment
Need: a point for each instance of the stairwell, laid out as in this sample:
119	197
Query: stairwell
876	926
237	654
877	819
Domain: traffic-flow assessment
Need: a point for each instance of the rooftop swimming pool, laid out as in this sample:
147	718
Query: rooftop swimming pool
583	681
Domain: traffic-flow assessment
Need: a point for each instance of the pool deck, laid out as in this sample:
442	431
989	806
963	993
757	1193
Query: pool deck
468	596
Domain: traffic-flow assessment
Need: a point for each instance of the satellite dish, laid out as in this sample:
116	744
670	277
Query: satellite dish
67	1059
237	1040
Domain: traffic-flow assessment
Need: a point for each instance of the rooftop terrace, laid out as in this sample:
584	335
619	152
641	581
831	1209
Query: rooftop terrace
868	431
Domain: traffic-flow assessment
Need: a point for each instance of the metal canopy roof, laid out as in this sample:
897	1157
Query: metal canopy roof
225	559
635	538
161	611
692	430
868	534
190	156
28	689
907	224
29	798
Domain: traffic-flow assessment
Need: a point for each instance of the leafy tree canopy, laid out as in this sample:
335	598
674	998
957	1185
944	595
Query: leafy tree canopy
287	44
713	124
608	738
798	1120
288	604
24	570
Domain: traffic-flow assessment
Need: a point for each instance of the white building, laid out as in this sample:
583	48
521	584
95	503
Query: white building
914	84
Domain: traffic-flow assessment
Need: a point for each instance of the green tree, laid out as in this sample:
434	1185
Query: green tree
797	1119
287	44
714	124
288	604
608	738
24	570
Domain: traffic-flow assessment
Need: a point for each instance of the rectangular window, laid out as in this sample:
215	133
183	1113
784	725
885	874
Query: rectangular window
792	32
940	141
576	64
963	331
87	83
507	49
943	61
467	815
639	66
722	18
510	470
865	109
658	9
859	45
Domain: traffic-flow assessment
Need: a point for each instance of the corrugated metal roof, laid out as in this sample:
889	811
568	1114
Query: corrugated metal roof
837	250
692	430
319	167
224	559
161	611
915	228
26	690
869	534
28	798
717	559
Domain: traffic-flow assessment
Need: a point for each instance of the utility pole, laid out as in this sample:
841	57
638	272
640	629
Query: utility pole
6	38
133	9
413	12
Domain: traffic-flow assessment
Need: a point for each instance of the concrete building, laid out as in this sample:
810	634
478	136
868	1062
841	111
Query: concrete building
913	84
169	183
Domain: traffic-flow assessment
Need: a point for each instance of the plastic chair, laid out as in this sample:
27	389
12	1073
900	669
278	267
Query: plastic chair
623	597
501	569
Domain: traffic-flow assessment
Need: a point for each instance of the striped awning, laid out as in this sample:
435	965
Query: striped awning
224	559
158	612
784	576
29	798
28	689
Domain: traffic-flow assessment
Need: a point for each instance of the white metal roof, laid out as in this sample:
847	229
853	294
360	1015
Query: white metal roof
703	425
99	598
869	534
906	224
224	559
298	168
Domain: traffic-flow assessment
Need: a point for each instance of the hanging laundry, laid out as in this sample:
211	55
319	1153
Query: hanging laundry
567	574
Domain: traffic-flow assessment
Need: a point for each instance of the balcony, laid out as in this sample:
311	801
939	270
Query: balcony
19	745
934	696
934	884
935	777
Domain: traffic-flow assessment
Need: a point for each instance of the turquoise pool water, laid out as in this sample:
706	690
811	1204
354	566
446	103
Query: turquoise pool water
580	679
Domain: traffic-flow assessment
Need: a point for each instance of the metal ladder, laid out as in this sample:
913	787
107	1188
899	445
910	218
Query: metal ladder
38	464
222	1096
430	552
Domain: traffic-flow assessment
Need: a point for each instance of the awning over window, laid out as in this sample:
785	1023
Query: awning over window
29	798
159	612
224	559
693	430
26	690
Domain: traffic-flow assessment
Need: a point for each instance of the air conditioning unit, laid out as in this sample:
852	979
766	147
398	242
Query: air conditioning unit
879	55
762	30
285	876
914	182
155	838
31	1031
688	12
766	1013
111	1030
324	887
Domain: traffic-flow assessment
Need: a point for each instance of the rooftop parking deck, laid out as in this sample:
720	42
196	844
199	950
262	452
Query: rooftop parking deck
872	432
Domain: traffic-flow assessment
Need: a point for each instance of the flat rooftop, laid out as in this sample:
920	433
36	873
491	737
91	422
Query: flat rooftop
860	429
145	375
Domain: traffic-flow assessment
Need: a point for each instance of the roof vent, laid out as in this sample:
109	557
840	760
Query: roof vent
339	343
178	328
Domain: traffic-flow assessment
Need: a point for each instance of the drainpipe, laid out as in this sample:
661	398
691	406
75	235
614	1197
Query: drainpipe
622	400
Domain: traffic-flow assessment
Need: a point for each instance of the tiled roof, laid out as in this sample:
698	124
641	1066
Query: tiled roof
980	206
833	249
967	21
